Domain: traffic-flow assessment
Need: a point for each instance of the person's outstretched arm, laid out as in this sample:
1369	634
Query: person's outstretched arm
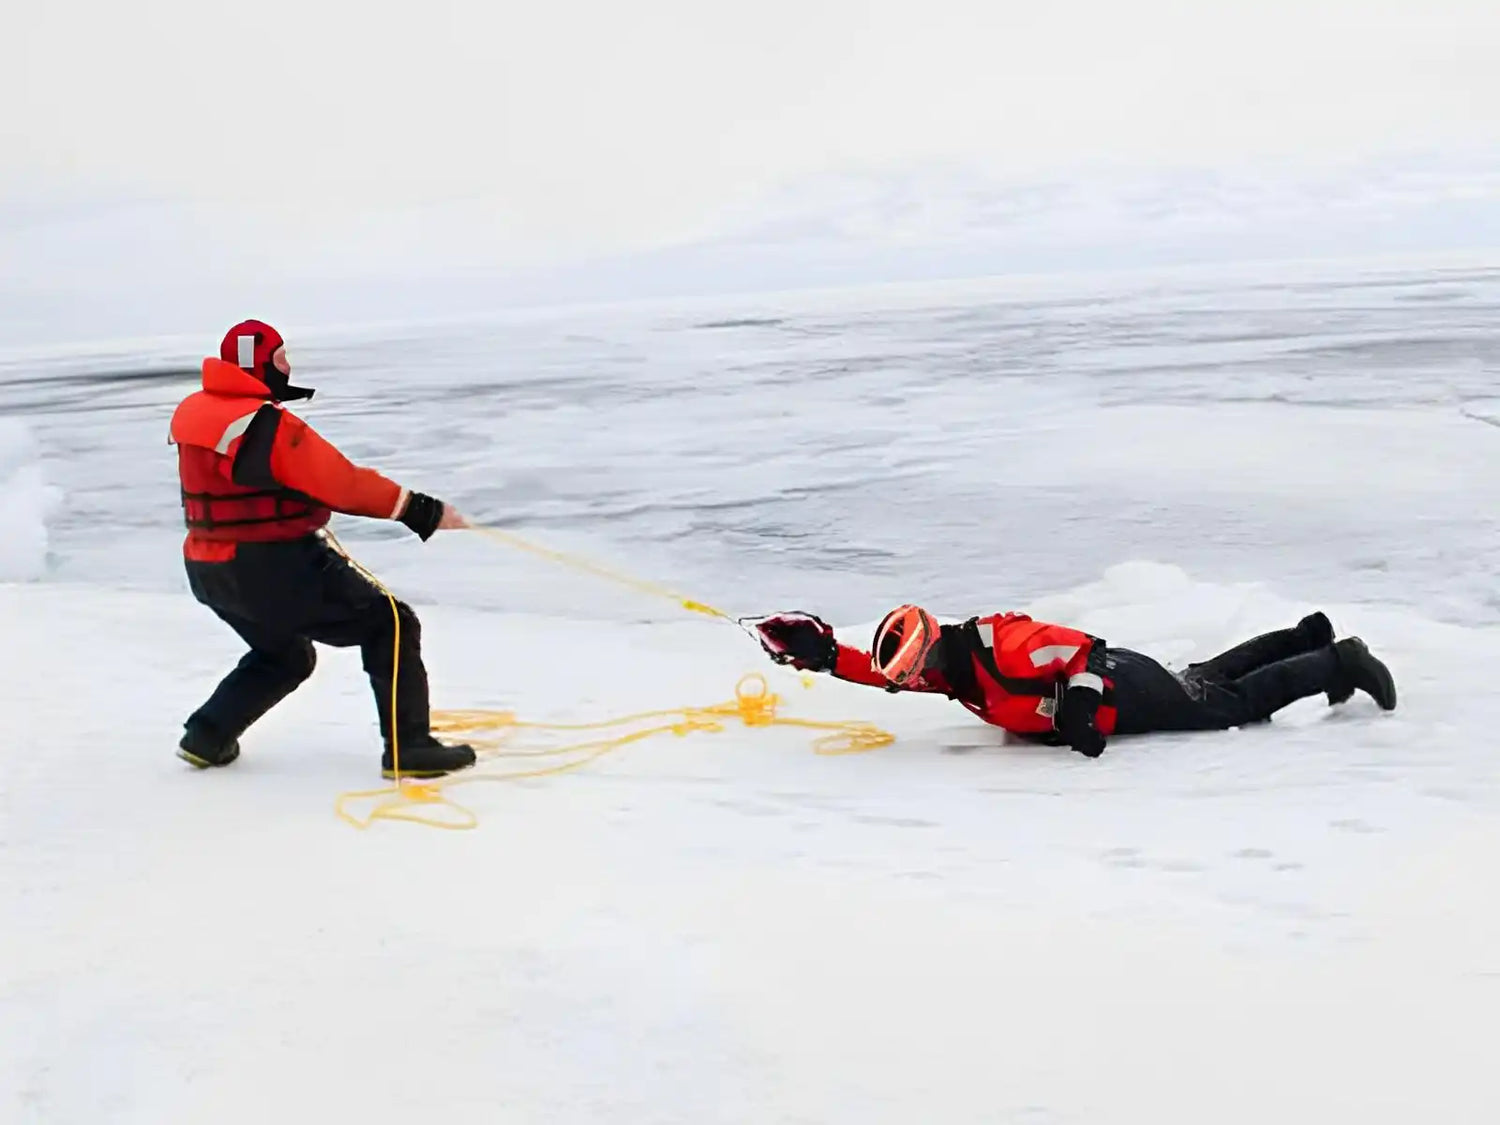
279	449
807	643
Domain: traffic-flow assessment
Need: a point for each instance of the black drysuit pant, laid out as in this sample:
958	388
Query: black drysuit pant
1247	684
281	597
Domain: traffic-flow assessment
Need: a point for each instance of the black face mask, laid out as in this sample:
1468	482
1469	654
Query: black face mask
281	386
953	659
937	656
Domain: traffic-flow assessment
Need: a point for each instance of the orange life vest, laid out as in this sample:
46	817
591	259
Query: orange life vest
207	428
1020	668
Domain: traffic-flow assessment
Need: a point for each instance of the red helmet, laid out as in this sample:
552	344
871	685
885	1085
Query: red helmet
903	642
252	345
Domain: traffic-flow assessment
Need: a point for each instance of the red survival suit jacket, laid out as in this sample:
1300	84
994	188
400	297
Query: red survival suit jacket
252	471
1009	670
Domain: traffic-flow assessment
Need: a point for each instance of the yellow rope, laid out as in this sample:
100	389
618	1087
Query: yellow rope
333	541
602	572
410	800
754	705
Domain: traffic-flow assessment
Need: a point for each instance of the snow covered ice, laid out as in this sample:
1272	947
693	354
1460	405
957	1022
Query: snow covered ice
1294	922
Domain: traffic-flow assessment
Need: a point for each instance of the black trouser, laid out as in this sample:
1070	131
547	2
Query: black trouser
280	597
1247	684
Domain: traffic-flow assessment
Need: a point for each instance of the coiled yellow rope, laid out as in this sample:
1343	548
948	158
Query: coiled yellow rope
426	802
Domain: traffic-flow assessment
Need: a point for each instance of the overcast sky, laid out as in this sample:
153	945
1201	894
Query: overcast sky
566	126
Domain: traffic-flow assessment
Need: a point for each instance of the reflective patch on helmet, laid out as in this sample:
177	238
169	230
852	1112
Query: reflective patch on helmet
246	345
902	644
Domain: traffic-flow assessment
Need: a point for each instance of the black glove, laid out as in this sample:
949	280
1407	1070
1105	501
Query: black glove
422	514
799	639
1075	720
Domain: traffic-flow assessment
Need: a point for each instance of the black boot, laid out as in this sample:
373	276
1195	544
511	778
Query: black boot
425	757
204	747
1316	631
263	678
1359	669
1260	694
1313	632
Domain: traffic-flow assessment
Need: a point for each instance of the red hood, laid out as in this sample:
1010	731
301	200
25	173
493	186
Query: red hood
223	378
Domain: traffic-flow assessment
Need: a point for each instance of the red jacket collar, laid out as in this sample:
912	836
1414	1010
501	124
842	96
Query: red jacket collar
223	378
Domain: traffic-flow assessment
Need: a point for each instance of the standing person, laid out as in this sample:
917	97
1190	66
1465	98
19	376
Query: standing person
1059	686
258	485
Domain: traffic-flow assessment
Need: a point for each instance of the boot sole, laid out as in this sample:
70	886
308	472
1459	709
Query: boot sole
422	775
201	763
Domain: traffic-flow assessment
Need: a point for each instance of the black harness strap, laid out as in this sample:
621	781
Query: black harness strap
261	494
288	505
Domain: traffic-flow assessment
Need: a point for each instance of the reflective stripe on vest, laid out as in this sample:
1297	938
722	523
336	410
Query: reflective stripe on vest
982	638
234	431
213	421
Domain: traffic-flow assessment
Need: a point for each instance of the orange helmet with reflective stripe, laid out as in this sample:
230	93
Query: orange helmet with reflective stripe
903	642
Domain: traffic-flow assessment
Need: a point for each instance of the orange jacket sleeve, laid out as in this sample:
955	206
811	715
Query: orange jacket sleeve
303	460
854	665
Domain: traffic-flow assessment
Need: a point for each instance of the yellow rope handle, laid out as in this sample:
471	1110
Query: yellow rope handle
754	705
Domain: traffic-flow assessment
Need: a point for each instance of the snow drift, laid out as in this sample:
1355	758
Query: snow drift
25	500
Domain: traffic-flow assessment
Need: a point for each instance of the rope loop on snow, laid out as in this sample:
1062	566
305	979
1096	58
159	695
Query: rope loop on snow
427	801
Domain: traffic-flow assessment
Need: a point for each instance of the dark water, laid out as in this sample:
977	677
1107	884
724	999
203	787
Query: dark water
969	446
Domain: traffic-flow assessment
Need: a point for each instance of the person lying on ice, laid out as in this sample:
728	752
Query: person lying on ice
1059	686
258	486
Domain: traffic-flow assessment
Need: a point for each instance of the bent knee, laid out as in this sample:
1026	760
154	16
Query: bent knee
300	660
411	627
381	624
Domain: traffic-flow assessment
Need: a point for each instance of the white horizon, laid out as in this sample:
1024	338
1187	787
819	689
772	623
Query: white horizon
163	163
